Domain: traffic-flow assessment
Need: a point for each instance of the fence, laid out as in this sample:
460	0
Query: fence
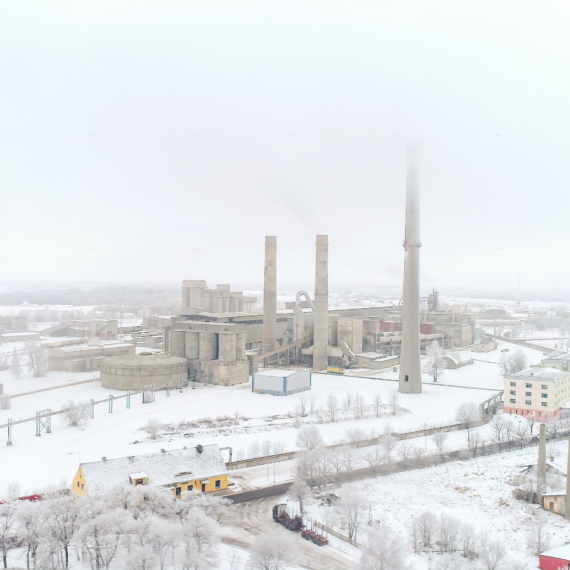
332	532
43	418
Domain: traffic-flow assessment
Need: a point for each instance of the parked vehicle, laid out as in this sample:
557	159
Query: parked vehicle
296	524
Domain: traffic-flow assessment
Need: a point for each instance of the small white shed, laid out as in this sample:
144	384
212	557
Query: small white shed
281	382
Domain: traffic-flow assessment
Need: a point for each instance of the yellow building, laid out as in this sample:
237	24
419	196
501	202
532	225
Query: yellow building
200	468
536	392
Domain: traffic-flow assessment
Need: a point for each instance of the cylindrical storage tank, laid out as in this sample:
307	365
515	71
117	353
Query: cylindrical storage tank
225	304
195	296
240	346
396	339
227	347
208	346
136	371
192	344
177	340
239	306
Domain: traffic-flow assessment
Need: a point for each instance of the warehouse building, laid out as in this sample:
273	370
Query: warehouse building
200	468
281	382
86	357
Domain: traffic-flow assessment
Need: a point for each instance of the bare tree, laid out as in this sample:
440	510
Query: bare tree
331	407
266	447
498	429
531	421
440	440
336	459
299	491
355	436
349	513
374	457
75	413
473	441
64	514
358	406
348	401
467	413
394	401
31	517
153	427
36	357
383	550
425	525
273	550
15	366
13	491
521	433
388	443
377	404
404	450
8	537
254	450
278	447
309	437
492	554
419	453
5	402
435	364
312	404
537	535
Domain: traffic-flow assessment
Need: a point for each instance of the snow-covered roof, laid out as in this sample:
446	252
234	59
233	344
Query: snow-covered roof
279	372
162	468
544	374
562	552
459	357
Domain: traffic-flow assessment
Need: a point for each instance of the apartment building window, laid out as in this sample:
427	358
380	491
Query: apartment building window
513	401
528	402
544	404
544	395
513	383
545	386
529	385
528	394
513	393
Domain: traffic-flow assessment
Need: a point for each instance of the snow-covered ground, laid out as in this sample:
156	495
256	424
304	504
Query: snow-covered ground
477	492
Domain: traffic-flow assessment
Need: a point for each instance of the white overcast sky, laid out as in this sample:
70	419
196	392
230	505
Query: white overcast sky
161	141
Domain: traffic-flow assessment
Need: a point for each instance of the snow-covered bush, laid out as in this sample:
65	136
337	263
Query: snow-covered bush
153	427
75	413
5	402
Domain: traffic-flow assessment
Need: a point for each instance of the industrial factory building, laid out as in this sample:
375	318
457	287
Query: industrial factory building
86	357
215	352
97	328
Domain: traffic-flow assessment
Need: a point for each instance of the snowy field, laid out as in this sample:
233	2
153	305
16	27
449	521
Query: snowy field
476	492
268	418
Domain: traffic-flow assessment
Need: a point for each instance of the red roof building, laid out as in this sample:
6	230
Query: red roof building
555	559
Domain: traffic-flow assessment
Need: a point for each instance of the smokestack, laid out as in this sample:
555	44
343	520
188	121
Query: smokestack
321	337
410	361
541	472
270	295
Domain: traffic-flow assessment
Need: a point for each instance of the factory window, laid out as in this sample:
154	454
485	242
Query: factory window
544	395
544	404
528	393
513	401
528	402
218	484
544	386
406	378
529	385
513	383
513	392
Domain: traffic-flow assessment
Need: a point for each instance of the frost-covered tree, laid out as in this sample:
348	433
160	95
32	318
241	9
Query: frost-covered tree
64	517
374	456
309	437
440	438
405	451
349	513
36	357
31	518
467	413
331	407
383	550
75	413
492	554
199	539
299	491
5	402
153	427
141	558
435	364
377	401
8	526
273	550
15	366
101	538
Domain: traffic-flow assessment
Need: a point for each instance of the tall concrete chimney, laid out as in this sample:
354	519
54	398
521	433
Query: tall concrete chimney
410	360
270	295
541	471
321	337
568	484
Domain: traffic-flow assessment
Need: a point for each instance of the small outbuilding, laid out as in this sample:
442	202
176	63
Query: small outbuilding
281	382
555	559
455	360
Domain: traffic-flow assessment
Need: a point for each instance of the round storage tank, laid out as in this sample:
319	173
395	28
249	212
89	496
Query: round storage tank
135	371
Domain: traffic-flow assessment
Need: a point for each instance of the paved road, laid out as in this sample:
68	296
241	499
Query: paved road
256	494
